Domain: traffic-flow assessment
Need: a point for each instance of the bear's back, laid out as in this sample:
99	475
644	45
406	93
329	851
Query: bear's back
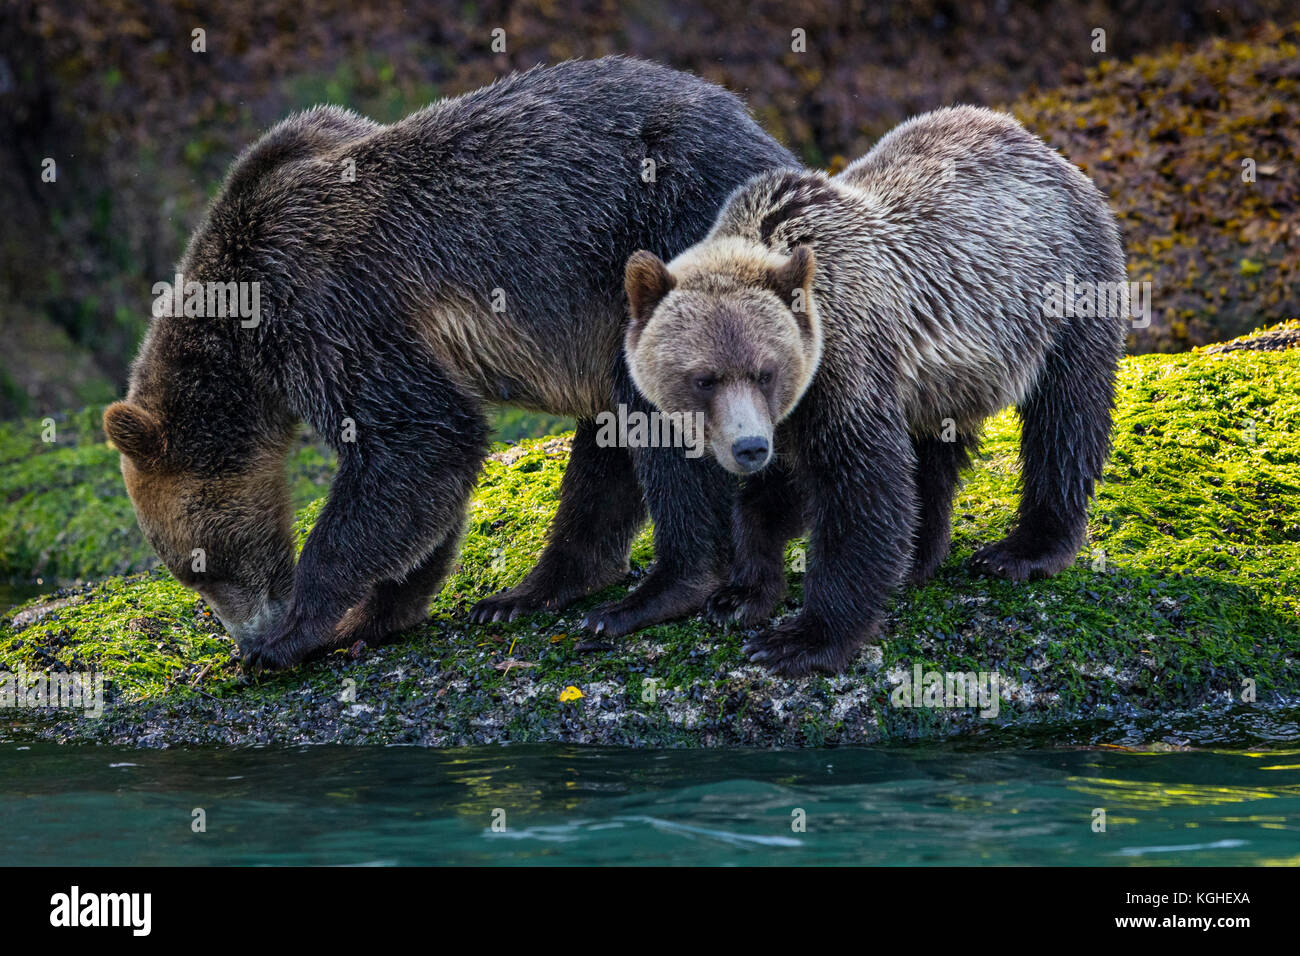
529	194
932	254
596	155
965	218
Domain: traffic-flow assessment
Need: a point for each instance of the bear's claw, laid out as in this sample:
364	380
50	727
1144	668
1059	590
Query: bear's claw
610	621
737	604
512	603
798	647
267	656
504	607
1013	559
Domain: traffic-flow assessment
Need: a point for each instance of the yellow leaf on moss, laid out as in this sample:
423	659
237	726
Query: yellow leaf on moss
569	693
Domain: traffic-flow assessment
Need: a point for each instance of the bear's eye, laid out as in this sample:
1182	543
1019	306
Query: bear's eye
705	383
764	379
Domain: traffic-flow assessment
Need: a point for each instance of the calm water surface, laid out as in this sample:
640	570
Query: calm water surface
570	805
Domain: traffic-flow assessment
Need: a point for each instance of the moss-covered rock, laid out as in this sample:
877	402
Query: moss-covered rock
1284	335
1188	598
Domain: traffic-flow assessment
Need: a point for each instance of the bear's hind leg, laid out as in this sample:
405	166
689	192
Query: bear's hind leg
939	464
600	512
1064	446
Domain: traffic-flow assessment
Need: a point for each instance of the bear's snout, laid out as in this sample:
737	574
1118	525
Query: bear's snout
751	452
255	627
741	431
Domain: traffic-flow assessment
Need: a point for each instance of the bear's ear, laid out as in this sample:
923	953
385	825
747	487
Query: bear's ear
792	282
135	432
647	281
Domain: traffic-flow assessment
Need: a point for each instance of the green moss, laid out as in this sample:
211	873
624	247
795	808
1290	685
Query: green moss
1191	584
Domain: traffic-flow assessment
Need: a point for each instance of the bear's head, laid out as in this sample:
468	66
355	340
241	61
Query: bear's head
729	330
224	532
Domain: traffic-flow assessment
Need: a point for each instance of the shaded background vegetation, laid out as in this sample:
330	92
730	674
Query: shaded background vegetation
142	128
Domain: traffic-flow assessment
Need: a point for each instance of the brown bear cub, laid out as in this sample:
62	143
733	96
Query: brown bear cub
406	277
845	337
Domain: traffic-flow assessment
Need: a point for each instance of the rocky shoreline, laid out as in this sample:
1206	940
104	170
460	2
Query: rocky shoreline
1187	603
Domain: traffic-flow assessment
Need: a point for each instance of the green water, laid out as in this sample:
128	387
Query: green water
12	594
569	805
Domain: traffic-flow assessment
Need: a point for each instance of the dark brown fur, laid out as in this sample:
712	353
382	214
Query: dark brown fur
377	298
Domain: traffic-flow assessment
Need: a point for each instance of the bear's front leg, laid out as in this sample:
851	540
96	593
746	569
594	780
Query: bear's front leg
397	604
388	534
690	501
859	467
689	497
770	510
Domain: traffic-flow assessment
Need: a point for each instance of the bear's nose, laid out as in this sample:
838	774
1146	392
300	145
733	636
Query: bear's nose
750	453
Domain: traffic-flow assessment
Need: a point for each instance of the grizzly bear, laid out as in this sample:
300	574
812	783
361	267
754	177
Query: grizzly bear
406	277
845	337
